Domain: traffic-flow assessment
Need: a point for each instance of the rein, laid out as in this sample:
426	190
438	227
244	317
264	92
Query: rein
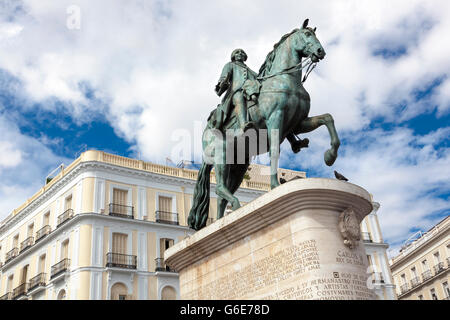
307	63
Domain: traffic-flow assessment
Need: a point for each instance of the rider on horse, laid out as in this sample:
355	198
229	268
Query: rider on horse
241	85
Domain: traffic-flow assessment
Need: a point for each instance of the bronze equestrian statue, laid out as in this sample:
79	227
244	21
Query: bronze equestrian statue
276	102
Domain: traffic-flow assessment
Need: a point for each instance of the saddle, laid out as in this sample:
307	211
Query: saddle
215	119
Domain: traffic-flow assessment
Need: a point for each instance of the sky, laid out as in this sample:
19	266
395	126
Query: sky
135	78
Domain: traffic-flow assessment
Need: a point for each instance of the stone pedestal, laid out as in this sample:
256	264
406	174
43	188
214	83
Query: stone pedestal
298	241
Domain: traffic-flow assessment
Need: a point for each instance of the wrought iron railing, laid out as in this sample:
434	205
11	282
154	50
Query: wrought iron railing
21	290
28	242
65	216
118	260
404	288
6	296
42	232
122	211
60	267
366	237
426	275
415	282
439	267
161	266
37	281
166	217
11	255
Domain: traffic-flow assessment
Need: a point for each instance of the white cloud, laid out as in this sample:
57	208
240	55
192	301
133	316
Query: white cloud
155	63
24	164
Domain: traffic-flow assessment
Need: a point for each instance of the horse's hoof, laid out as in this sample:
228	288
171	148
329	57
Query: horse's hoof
330	157
236	206
299	145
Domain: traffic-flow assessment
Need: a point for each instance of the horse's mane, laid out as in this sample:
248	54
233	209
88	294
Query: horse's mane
267	65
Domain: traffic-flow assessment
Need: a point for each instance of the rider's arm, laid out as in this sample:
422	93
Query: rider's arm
224	79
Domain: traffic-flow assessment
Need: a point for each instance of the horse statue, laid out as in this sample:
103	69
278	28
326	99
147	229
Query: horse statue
281	110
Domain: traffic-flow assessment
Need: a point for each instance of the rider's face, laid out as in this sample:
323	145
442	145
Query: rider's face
240	56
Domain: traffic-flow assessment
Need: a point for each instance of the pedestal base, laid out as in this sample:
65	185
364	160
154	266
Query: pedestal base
299	241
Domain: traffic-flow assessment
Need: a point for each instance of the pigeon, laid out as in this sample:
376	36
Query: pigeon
339	176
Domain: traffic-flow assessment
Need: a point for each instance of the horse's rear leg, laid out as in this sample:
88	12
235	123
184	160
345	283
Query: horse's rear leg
312	123
221	187
221	206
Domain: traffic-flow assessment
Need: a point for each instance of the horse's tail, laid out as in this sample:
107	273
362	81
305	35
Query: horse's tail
200	208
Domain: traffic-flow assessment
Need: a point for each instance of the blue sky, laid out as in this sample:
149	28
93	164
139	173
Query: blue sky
134	77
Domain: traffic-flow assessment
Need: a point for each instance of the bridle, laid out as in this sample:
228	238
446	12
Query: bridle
307	63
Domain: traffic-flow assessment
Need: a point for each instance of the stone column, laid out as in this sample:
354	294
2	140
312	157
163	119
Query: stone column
299	241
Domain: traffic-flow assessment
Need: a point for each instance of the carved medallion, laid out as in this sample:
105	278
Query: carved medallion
349	228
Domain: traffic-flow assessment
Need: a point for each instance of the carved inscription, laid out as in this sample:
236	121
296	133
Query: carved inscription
282	265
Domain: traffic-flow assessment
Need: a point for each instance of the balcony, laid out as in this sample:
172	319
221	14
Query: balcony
66	216
438	268
37	281
118	260
426	275
7	296
11	255
59	268
118	210
404	288
415	282
377	277
20	291
26	244
42	233
366	237
166	217
161	266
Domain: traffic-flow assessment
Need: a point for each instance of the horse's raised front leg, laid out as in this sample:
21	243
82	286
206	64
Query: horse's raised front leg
274	130
312	123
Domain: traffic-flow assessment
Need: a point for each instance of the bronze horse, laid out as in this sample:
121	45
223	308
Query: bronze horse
282	110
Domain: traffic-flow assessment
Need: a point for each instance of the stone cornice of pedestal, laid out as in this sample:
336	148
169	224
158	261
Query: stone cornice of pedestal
301	194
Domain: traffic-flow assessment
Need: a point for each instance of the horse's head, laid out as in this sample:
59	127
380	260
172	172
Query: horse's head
309	44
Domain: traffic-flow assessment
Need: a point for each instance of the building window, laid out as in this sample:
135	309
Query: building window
30	230
425	265
437	258
46	220
120	197
433	294
10	283
68	203
65	250
420	297
122	297
119	243
446	289
15	241
24	277
41	266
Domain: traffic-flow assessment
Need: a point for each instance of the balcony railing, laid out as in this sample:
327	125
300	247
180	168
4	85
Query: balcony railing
438	268
122	211
65	216
118	260
404	288
11	254
448	262
161	266
366	237
37	281
59	268
415	282
42	232
426	275
26	243
166	217
377	277
7	296
20	291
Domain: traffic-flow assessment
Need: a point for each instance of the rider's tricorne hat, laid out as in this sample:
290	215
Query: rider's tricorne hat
234	53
